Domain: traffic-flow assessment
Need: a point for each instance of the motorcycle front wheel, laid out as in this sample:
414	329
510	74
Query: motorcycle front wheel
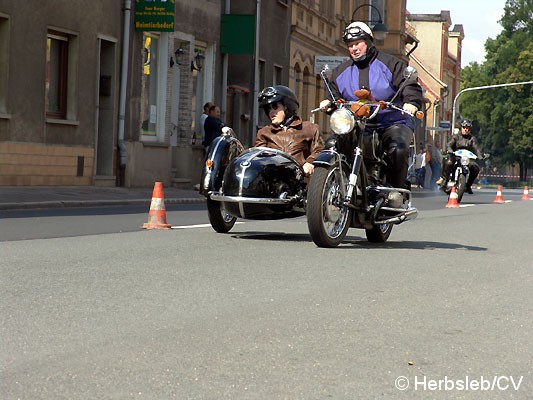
461	187
220	220
327	219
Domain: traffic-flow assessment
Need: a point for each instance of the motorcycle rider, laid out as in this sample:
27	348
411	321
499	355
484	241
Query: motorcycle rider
287	132
463	140
382	74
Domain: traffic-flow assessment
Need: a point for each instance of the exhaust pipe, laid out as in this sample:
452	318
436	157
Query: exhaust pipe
410	214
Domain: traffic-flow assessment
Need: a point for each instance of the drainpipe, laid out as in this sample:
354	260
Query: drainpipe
435	106
123	83
255	111
225	62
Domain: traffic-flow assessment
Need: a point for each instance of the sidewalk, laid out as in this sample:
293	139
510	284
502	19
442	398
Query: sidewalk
31	197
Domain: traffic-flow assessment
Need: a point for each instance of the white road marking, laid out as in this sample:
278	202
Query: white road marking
197	226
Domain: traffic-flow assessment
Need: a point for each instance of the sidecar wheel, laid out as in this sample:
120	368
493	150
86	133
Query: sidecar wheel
379	233
328	221
220	220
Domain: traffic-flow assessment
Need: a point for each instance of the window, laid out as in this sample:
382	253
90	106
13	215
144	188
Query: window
149	85
60	84
277	75
374	15
57	75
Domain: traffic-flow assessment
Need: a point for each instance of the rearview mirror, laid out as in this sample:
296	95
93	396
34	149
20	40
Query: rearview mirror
410	73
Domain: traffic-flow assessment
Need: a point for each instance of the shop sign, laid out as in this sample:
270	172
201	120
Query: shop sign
154	15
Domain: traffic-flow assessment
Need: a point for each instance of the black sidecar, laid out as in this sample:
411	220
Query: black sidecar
258	183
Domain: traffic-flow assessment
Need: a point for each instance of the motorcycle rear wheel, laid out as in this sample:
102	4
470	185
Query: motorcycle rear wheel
220	220
328	221
379	233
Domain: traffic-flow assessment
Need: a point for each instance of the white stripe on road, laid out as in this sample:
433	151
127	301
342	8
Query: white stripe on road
197	226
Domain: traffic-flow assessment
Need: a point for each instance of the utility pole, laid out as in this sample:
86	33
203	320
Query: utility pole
480	88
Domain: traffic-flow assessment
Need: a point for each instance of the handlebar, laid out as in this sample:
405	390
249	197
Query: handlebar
377	107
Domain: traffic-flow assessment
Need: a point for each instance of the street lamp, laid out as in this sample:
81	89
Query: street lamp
179	57
480	88
198	62
380	29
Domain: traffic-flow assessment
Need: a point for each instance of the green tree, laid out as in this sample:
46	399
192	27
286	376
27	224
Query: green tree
503	115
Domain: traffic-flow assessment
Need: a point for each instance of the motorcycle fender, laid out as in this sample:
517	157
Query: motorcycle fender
328	158
221	151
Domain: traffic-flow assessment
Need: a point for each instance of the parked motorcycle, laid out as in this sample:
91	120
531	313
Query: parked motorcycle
258	183
349	185
459	173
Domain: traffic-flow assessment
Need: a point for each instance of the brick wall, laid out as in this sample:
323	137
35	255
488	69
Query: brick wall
23	164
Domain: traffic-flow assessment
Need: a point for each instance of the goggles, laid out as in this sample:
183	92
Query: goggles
268	92
354	33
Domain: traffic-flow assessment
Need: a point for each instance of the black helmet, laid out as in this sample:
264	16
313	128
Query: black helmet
279	93
466	123
356	31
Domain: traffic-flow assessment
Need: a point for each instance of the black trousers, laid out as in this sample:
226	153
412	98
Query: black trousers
395	141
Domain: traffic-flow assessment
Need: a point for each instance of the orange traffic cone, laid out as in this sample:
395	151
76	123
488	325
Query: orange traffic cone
499	196
452	199
157	217
525	196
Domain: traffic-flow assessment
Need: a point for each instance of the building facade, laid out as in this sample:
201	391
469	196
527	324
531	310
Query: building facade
96	95
438	60
170	75
79	108
59	67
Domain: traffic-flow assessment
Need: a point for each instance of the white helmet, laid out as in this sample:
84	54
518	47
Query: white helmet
357	30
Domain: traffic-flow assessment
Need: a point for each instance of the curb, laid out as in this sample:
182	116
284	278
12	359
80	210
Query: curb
91	203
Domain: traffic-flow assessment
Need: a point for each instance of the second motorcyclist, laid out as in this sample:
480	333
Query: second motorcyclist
287	132
463	140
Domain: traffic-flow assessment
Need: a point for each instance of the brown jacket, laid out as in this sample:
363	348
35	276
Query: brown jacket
301	139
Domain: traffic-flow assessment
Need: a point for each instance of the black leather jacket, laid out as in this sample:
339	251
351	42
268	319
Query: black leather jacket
468	142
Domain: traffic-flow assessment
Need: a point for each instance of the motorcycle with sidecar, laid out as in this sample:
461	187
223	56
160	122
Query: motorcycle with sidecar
258	183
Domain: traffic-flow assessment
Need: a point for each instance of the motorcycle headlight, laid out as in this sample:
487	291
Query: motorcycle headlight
342	121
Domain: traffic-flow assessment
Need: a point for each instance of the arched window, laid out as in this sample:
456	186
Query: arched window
306	96
297	83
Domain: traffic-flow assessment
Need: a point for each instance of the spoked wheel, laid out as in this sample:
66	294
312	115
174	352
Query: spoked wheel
379	233
461	187
220	220
327	219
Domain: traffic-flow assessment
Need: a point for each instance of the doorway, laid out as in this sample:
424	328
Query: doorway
105	171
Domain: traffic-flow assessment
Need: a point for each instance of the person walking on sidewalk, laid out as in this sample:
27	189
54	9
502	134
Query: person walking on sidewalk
213	126
435	161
